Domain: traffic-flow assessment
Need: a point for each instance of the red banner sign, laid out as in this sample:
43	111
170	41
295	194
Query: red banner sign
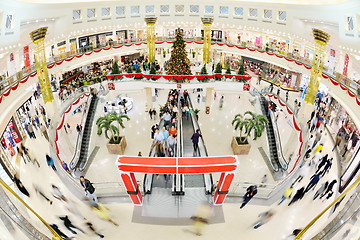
346	64
27	59
111	86
13	132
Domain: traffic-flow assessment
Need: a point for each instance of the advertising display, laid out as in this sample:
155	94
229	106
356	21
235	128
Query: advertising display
10	138
27	59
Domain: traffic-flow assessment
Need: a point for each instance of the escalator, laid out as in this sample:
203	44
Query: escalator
86	135
274	156
190	125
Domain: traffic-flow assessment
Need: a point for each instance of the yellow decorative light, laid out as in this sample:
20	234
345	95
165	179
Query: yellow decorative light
150	22
317	64
38	37
207	39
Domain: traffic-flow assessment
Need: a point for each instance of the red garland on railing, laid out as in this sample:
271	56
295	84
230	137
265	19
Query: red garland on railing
178	77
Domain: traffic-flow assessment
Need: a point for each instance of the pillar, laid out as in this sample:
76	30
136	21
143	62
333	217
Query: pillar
208	100
207	39
321	39
149	97
150	29
223	188
38	37
132	188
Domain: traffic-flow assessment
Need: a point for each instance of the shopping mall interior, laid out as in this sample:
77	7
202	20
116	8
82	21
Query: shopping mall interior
179	120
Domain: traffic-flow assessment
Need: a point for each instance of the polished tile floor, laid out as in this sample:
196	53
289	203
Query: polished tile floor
217	131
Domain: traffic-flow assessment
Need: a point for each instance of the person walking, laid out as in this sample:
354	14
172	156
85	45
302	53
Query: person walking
337	140
287	194
167	118
150	113
44	132
195	140
198	98
298	195
304	171
103	212
50	162
327	167
322	163
57	230
321	190
31	131
287	96
221	102
278	91
313	181
264	218
21	153
39	191
250	193
68	224
20	186
329	190
56	193
89	188
92	229
318	136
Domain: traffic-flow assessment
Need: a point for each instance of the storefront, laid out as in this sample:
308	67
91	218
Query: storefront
121	36
340	124
96	40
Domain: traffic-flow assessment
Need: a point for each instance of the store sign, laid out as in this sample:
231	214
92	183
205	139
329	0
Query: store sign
111	86
27	59
13	132
178	86
346	65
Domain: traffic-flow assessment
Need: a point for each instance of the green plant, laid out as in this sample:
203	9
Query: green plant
218	70
115	68
196	111
246	125
129	69
152	69
228	70
107	124
203	70
241	69
138	70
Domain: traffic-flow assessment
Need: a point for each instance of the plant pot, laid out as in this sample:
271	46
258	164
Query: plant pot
118	148
240	149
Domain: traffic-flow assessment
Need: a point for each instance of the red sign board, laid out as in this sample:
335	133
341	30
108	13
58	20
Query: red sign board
346	65
111	86
246	87
178	86
27	59
13	132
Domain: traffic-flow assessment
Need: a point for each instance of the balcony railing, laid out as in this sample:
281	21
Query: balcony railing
11	81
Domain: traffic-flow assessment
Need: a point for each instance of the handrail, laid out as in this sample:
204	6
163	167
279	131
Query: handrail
76	155
56	235
341	220
10	83
312	222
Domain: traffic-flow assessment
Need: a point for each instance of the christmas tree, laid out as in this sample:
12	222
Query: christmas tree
218	70
179	63
241	69
115	68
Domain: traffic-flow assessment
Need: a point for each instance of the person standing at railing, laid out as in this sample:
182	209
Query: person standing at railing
89	188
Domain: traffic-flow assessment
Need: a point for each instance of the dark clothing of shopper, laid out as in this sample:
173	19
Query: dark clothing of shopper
313	181
50	162
329	191
298	195
250	193
21	187
91	227
69	225
57	230
195	140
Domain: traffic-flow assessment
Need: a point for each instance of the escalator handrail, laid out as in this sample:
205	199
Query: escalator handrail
75	158
196	126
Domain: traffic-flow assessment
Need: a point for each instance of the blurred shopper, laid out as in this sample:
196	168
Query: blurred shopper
55	191
321	190
50	162
68	224
92	229
57	230
20	186
264	218
329	190
44	132
201	218
195	140
313	181
298	195
39	191
103	212
287	194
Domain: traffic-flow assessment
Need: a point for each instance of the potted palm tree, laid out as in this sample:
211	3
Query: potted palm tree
247	124
111	123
